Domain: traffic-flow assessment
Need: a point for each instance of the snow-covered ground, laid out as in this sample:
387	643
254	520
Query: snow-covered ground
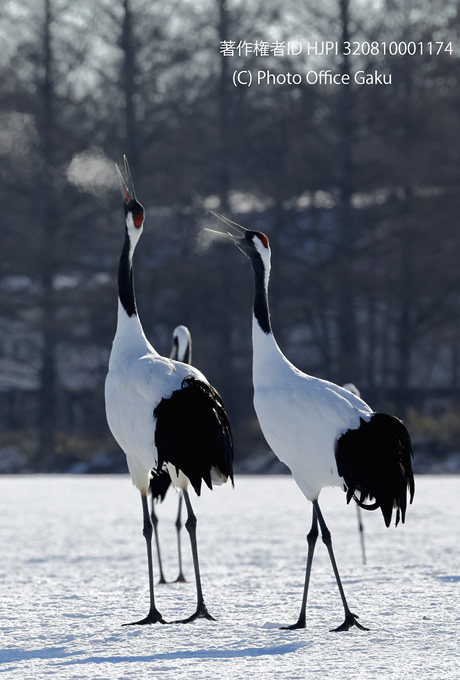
73	569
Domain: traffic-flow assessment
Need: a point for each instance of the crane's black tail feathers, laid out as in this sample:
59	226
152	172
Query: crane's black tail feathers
193	433
159	484
375	462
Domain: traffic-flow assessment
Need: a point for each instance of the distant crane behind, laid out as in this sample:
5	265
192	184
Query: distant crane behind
160	483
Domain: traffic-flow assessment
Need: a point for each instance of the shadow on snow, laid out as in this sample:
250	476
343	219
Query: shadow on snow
189	654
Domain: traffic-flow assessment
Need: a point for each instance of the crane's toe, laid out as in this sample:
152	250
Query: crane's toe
152	617
201	613
301	623
350	621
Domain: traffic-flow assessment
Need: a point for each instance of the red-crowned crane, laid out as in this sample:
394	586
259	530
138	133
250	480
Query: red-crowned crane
160	483
162	413
324	433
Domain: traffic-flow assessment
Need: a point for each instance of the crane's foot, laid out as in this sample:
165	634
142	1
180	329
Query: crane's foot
162	581
152	617
201	613
350	621
181	578
295	626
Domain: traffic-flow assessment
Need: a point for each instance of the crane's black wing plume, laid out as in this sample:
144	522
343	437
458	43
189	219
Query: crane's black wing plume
193	433
375	460
159	484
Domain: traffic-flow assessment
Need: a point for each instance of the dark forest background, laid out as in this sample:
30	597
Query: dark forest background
357	188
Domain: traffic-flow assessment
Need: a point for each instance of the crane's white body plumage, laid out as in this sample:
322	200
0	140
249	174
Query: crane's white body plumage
300	416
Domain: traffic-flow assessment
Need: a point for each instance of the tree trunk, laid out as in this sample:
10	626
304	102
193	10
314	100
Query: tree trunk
226	268
348	364
49	215
129	71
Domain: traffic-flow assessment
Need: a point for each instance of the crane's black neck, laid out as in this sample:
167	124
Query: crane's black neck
125	280
188	353
175	349
186	356
261	310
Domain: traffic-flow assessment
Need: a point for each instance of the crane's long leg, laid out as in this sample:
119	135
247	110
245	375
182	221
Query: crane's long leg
154	519
361	533
311	540
154	615
350	619
181	578
201	610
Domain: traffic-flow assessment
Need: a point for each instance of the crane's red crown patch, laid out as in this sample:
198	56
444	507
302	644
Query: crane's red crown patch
138	215
263	238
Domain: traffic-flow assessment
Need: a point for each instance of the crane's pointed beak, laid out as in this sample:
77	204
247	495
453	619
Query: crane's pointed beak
132	193
223	234
127	186
237	229
240	231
